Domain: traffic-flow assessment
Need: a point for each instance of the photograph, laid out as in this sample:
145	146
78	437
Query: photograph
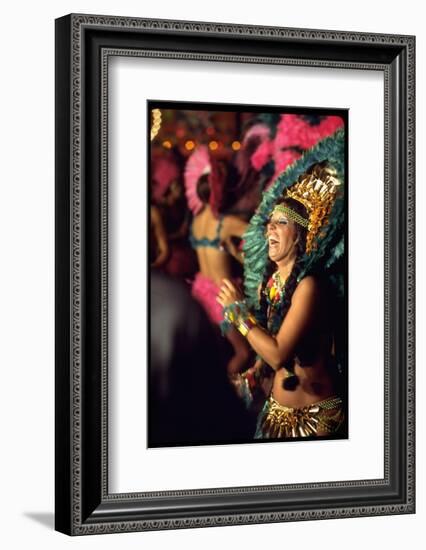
248	273
234	302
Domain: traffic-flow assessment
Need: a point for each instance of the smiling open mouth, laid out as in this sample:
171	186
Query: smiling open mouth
273	242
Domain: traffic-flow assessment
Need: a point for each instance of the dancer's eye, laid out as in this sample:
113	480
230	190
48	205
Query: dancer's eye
282	220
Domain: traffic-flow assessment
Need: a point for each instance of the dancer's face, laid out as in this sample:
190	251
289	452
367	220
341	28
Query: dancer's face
281	234
173	193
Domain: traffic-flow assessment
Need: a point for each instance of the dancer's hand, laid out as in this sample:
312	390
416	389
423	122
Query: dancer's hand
229	293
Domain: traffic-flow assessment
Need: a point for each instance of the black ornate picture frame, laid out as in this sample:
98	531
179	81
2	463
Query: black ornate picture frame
84	43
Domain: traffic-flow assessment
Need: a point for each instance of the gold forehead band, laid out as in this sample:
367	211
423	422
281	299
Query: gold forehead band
291	215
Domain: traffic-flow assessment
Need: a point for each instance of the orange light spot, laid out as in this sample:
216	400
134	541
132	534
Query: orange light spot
189	145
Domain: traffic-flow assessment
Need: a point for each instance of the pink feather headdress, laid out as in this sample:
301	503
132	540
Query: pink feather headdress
259	134
198	164
295	135
164	172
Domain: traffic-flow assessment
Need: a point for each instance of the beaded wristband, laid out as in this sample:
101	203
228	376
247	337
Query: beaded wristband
238	314
245	325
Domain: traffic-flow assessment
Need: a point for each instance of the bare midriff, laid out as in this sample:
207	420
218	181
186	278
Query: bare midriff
214	264
314	380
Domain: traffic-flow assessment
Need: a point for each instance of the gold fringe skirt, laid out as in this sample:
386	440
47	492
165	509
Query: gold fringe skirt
277	421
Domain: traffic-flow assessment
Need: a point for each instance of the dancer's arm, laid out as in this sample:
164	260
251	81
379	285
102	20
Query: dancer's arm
160	237
182	230
276	350
234	250
233	226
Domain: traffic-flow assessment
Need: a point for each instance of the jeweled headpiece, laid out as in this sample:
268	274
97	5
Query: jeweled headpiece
329	153
316	189
291	215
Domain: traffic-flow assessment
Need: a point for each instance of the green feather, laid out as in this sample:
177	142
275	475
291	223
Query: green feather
331	245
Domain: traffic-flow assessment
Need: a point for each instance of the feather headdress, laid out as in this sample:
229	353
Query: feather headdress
164	172
199	164
327	244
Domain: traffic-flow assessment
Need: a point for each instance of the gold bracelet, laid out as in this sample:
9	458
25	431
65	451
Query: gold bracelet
245	325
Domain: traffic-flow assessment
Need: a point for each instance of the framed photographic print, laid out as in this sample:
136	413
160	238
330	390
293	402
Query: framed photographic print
234	274
212	167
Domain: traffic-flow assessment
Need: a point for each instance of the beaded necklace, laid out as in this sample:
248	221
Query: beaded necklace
274	292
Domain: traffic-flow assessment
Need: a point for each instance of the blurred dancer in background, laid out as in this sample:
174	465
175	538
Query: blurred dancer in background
168	195
211	236
158	245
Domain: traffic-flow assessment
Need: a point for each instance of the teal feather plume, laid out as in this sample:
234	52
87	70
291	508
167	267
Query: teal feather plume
330	247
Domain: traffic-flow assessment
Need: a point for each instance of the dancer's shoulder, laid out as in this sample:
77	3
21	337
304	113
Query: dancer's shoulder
308	287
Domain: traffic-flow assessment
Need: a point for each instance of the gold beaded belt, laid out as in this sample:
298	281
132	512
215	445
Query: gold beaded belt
321	418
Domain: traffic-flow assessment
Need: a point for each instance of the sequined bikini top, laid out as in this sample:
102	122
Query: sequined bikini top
205	242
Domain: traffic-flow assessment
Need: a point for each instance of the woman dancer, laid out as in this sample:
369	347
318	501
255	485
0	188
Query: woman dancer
168	196
292	329
211	235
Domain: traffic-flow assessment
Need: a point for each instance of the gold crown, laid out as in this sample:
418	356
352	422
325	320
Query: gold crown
316	189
